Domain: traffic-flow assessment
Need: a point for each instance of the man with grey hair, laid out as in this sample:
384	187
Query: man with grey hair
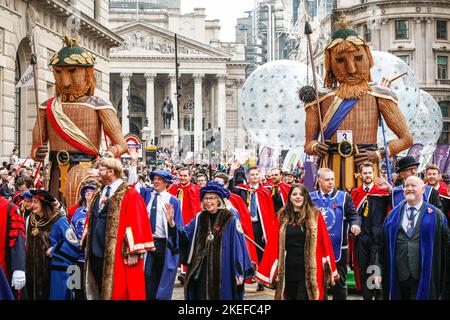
339	213
5	191
415	246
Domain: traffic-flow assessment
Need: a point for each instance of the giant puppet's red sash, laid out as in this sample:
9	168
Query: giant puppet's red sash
63	133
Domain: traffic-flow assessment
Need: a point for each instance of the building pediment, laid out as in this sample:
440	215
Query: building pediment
145	39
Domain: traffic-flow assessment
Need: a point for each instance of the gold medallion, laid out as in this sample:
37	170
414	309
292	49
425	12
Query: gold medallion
35	232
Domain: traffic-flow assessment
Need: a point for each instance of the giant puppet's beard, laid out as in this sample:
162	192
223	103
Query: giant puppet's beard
74	92
355	89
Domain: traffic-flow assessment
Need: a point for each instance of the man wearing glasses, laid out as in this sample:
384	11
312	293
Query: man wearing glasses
407	167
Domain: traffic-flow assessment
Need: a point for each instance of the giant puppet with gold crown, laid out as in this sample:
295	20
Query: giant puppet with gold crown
69	126
343	130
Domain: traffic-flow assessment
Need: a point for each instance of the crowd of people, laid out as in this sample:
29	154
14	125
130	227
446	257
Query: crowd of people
134	232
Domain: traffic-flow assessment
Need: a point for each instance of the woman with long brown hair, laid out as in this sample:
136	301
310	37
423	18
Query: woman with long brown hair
299	260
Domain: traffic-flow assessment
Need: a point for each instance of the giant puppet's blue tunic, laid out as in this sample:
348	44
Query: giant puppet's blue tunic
332	210
433	231
172	256
398	195
65	252
235	260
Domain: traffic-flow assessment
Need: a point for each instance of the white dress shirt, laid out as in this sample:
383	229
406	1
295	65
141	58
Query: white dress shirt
161	221
114	186
416	215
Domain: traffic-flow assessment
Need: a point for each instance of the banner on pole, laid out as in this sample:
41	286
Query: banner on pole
27	78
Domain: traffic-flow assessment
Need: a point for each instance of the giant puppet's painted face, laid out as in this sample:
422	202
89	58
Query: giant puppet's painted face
74	82
350	63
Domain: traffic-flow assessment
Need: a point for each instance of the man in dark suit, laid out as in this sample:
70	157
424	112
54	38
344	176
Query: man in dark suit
415	247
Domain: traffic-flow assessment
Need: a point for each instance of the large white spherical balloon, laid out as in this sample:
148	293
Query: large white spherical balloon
406	88
426	127
269	106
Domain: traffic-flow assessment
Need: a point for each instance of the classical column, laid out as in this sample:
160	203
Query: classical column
430	66
173	98
213	103
150	103
240	130
221	109
198	108
126	78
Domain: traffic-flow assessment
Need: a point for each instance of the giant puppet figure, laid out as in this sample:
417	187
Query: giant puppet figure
72	123
349	114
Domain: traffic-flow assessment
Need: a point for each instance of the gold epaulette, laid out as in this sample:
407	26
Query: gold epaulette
330	94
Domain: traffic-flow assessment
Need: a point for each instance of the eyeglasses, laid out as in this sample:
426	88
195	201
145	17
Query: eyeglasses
414	169
209	199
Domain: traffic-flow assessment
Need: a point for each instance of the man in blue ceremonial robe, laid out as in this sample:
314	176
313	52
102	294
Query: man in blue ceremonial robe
415	245
340	215
161	265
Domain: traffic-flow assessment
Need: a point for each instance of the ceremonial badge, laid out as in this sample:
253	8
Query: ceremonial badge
239	227
210	236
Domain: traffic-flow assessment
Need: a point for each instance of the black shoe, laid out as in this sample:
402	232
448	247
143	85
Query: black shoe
260	287
181	278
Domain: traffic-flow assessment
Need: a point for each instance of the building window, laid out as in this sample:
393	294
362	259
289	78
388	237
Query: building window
444	108
442	64
441	30
405	58
401	29
444	138
367	33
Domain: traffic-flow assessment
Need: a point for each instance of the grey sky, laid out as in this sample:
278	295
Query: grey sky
226	11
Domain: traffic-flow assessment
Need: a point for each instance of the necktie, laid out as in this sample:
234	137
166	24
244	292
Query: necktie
326	195
367	189
108	192
410	226
253	206
153	209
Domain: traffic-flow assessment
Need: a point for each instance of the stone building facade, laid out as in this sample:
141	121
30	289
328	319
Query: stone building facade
45	22
142	72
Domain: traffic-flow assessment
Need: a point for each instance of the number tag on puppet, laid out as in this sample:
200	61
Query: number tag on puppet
344	135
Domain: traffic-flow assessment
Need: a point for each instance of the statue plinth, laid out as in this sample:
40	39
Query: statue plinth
167	138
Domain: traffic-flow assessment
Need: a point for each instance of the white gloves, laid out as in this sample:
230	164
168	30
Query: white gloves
18	279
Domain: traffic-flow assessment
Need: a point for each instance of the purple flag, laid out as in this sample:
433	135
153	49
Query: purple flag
415	151
440	156
310	173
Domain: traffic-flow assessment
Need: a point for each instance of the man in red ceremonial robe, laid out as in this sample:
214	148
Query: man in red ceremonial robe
372	204
117	234
260	205
188	194
12	245
434	179
278	189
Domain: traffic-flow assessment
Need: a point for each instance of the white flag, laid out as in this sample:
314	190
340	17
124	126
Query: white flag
27	78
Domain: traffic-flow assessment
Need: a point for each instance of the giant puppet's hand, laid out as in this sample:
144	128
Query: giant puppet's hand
40	153
321	149
365	156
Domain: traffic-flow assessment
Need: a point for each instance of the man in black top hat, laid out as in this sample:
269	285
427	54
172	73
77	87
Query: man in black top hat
407	167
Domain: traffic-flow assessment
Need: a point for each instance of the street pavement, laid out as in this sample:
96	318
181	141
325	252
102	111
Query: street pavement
250	293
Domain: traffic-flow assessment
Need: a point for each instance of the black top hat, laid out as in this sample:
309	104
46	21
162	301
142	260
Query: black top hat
406	162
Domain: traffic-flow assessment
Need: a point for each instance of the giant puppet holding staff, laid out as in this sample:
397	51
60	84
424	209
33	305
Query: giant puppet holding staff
72	123
349	115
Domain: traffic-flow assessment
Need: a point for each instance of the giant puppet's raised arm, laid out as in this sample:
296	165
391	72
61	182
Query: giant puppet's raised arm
113	130
397	123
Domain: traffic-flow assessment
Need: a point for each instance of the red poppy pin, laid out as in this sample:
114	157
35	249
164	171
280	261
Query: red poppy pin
430	210
217	228
334	205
